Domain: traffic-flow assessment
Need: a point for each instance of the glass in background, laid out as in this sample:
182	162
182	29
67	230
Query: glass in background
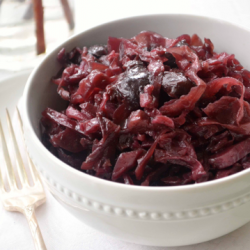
18	42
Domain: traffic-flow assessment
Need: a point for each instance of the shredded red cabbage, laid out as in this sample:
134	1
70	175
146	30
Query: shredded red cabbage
151	111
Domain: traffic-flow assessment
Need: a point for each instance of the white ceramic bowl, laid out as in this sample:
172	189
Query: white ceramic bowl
160	216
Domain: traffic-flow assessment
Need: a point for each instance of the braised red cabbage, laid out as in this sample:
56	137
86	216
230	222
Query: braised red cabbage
151	111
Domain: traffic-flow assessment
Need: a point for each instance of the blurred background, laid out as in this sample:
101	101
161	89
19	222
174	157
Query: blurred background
23	21
91	13
20	22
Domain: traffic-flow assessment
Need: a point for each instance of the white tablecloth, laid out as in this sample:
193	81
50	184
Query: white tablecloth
60	229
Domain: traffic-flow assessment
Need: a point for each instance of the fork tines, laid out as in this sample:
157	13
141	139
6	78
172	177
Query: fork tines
22	174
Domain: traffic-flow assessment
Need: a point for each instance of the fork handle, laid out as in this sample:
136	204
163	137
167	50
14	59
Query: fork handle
29	212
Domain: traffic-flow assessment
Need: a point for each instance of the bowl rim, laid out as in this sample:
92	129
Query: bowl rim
65	167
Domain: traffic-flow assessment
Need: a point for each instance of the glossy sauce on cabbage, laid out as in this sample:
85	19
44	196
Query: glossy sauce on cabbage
151	111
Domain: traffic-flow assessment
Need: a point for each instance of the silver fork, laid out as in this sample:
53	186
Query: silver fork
26	199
